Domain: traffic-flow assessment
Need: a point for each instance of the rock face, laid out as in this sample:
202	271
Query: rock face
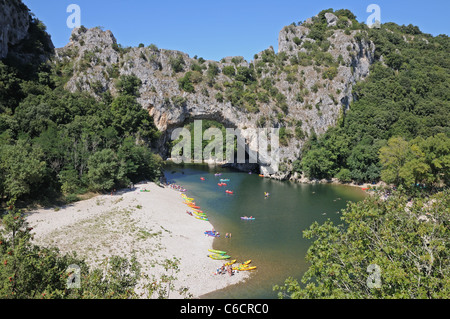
313	92
14	24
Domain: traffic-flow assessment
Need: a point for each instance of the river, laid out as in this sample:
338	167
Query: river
274	240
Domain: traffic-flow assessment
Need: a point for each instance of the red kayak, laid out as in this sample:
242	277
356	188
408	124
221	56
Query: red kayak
202	178
229	192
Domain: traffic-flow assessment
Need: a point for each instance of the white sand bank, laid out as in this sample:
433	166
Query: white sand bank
154	226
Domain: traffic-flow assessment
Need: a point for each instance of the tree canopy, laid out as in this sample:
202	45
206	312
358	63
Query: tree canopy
56	142
386	247
406	97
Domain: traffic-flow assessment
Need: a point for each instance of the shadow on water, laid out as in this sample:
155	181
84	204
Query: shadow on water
274	240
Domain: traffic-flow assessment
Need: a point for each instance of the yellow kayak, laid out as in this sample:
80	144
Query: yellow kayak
243	265
230	263
200	214
246	268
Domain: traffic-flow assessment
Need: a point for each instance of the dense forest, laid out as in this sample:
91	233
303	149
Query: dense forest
57	144
405	102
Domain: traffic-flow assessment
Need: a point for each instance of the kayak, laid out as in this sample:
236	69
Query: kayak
145	191
198	211
211	234
229	192
219	257
222	184
202	178
243	266
200	214
224	180
218	174
202	218
217	251
230	263
192	206
260	175
248	218
246	268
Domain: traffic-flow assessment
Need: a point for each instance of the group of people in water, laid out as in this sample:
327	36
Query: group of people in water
213	231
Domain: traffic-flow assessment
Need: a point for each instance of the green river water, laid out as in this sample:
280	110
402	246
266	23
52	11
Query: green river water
274	240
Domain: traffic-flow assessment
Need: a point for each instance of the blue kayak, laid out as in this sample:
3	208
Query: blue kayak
212	234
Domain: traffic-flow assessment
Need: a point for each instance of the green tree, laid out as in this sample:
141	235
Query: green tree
21	168
10	90
106	170
229	70
393	157
128	85
28	271
127	114
344	175
185	83
177	63
424	161
408	242
317	163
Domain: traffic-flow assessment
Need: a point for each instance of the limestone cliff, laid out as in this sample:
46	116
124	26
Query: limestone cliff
305	87
14	23
23	37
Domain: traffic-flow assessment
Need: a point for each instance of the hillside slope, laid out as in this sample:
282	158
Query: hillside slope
304	87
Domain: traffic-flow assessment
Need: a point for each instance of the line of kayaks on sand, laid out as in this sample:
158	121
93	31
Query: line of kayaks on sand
196	212
216	254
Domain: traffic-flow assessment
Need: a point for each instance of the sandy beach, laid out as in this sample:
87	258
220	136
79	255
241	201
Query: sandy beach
151	225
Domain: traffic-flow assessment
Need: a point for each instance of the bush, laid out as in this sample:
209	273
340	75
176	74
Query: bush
105	170
219	97
344	176
128	85
177	63
229	71
297	40
185	83
330	73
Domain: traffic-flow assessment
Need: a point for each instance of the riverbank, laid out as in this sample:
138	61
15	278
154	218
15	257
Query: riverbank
297	178
151	225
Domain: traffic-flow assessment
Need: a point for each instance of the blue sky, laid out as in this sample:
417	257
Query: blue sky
214	29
